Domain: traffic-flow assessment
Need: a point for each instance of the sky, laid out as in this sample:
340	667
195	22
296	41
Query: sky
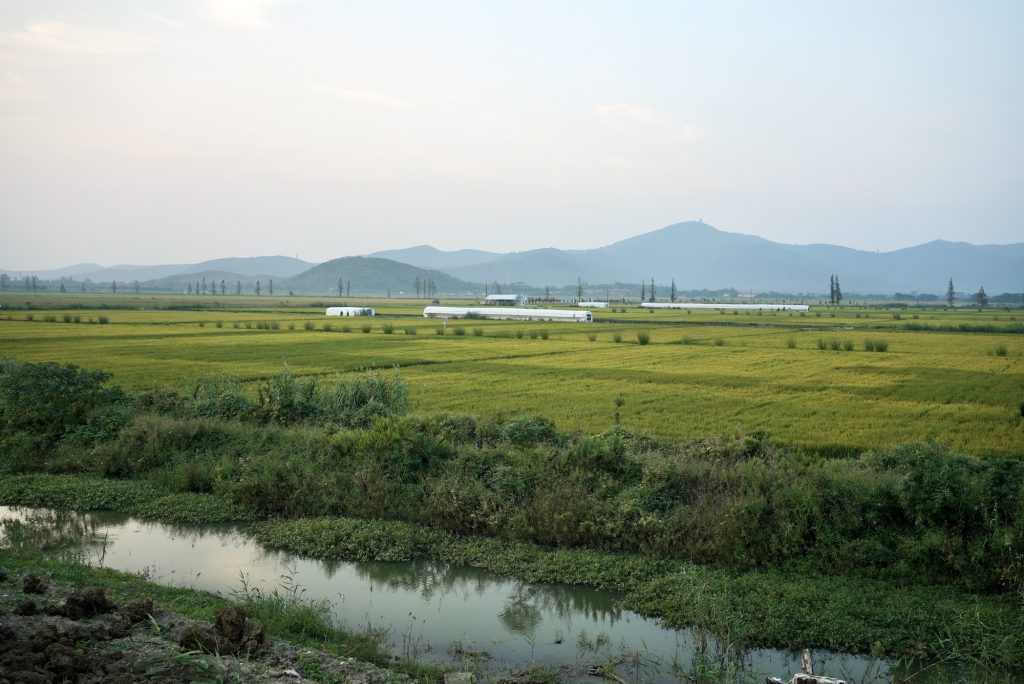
174	131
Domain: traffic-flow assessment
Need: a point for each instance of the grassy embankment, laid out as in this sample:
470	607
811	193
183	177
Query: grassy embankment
757	543
697	376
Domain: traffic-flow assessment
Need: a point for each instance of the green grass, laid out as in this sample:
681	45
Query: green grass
759	372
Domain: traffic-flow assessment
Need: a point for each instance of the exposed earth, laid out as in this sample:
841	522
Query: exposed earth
54	634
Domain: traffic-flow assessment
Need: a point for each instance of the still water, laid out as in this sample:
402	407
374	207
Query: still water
460	617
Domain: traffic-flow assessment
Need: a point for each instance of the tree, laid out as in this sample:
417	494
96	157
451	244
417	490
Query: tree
271	287
223	288
579	290
643	292
416	284
832	289
348	288
652	290
950	294
547	293
980	297
113	286
83	286
62	286
839	292
257	288
135	283
672	293
3	281
203	291
189	289
198	291
238	288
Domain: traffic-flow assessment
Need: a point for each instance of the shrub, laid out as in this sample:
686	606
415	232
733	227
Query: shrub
617	337
591	336
274	325
103	320
409	330
219	324
346	328
1000	350
309	325
30	317
719	342
533	334
439	330
478	332
459	330
387	328
543	334
791	343
833	345
50	318
366	327
869	345
66	318
822	345
643	337
201	324
519	334
327	327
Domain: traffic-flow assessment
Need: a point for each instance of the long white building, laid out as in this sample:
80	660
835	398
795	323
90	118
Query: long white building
726	307
349	311
508	314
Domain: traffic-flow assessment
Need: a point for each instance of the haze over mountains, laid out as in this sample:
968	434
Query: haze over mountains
699	256
694	254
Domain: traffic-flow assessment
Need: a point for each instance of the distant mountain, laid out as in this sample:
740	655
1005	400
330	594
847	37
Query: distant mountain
429	257
180	282
276	266
699	256
371	275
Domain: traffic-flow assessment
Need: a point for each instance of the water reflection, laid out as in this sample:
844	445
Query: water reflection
433	611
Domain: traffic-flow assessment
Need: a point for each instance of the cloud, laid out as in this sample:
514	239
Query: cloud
624	113
360	96
246	15
14	88
74	38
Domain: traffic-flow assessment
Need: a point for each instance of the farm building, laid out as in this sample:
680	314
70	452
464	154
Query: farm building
506	300
349	311
726	307
508	314
593	305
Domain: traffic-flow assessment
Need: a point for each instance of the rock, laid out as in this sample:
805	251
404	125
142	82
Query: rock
196	638
136	610
32	584
254	637
26	608
292	673
86	603
459	678
229	624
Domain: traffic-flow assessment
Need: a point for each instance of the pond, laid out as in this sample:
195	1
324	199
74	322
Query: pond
459	617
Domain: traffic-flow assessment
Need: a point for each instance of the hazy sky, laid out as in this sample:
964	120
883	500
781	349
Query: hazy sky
156	131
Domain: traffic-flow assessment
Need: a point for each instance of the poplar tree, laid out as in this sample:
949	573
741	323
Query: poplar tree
950	294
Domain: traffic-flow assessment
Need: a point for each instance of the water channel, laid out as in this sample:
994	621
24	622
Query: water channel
455	616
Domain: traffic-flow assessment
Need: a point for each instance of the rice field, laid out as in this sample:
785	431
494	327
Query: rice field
807	380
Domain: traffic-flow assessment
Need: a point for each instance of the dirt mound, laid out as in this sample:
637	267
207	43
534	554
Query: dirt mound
232	633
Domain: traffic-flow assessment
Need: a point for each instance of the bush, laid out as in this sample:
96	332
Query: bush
66	318
219	324
791	343
327	327
643	337
439	330
617	337
1000	350
592	337
833	345
346	328
409	330
822	345
543	334
366	327
719	342
848	345
201	324
459	330
103	320
387	328
519	334
309	325
478	332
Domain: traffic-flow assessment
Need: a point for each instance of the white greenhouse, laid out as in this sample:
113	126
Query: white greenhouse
726	307
349	311
593	305
508	314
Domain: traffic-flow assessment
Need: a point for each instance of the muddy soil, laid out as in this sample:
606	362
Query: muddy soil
57	634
